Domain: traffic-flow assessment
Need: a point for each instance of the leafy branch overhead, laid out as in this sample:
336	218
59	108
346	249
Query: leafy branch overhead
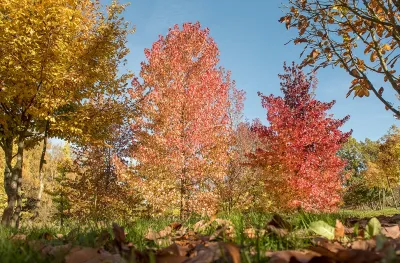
362	37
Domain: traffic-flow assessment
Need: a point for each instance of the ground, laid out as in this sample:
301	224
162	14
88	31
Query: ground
255	236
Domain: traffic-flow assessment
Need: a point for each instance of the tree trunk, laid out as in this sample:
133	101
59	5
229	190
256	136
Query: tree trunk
13	183
42	162
18	168
181	199
62	200
10	188
41	172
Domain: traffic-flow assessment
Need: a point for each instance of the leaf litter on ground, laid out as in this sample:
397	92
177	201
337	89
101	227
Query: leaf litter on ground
366	241
363	241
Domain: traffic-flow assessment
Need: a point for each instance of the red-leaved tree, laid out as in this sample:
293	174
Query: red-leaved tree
301	143
182	131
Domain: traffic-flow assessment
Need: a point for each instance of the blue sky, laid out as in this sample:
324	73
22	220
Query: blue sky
251	42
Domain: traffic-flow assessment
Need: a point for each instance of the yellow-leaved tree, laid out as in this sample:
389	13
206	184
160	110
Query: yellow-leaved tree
57	57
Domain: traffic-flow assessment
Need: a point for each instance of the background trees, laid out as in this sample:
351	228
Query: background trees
55	57
362	37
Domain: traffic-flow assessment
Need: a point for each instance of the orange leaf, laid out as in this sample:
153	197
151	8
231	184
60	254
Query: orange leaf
386	47
339	230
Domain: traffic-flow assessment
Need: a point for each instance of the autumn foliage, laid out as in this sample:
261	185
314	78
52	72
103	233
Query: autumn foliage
56	60
300	145
173	142
362	37
182	134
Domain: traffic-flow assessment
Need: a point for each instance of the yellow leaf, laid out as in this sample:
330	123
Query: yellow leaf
386	47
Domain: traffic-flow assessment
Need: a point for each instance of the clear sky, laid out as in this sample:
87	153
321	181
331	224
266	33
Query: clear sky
251	43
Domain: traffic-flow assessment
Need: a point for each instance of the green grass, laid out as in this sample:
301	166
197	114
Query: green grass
253	248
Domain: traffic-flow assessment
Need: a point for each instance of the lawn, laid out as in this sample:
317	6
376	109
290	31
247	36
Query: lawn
248	231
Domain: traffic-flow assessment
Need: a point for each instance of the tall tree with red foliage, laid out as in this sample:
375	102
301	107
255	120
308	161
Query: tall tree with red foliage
301	143
181	135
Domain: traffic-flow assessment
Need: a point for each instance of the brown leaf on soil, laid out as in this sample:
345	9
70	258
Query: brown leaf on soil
323	251
234	252
170	259
323	242
89	255
165	232
214	251
358	256
173	249
369	244
339	230
152	235
172	253
286	256
175	225
392	231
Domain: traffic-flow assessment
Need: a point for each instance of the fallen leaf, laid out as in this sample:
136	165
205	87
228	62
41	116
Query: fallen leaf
175	225
323	229
323	242
170	259
233	251
392	231
152	235
82	255
173	249
358	256
373	227
288	255
369	244
214	251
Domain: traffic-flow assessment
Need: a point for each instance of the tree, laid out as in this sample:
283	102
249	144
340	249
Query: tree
102	193
339	32
61	192
383	172
351	151
358	193
301	142
56	57
181	135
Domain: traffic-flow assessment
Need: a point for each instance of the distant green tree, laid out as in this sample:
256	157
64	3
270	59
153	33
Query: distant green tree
357	154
